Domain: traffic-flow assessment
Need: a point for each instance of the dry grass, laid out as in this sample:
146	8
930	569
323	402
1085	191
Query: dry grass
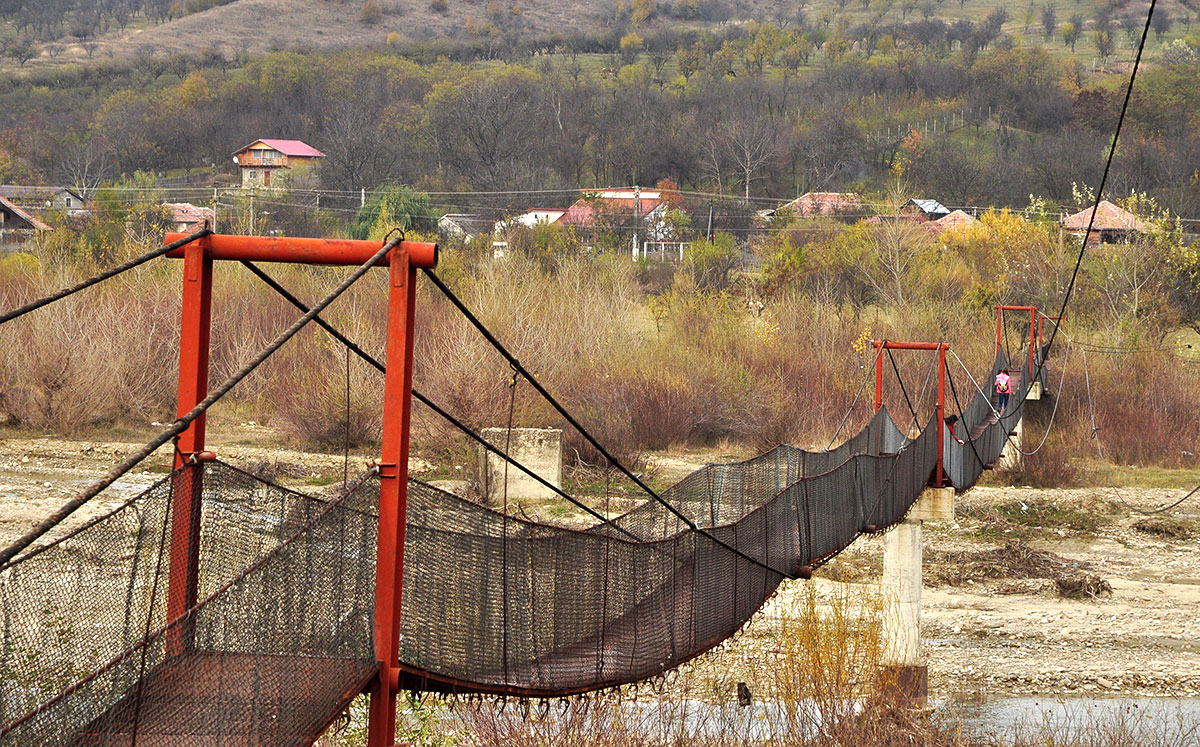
1015	560
642	372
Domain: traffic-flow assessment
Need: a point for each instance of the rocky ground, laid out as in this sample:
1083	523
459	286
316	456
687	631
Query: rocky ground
989	627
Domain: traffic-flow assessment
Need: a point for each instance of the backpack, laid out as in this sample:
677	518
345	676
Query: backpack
1001	385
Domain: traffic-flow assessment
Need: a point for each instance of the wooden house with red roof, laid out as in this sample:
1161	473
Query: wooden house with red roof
261	160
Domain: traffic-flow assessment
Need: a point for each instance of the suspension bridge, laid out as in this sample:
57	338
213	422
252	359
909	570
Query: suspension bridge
219	608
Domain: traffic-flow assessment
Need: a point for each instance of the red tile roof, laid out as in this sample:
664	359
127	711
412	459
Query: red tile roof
825	203
619	201
953	220
1109	217
189	214
32	221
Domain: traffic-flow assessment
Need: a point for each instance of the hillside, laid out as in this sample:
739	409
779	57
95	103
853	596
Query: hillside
257	26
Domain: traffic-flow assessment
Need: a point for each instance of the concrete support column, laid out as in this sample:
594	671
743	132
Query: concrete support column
539	449
1010	457
902	558
902	554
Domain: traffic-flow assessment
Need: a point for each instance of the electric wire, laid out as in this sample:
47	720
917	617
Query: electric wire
184	421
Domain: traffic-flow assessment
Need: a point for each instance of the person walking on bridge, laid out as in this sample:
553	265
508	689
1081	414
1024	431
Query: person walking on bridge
1003	384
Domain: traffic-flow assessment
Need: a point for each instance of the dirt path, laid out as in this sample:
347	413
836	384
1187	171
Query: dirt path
994	636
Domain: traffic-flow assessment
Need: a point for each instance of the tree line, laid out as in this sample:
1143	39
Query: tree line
731	114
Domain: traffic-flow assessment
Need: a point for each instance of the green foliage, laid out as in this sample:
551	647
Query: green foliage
394	206
708	265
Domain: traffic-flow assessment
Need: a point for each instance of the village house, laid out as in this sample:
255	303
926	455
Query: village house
640	212
842	205
465	226
1113	225
16	225
924	210
188	218
261	161
956	219
43	198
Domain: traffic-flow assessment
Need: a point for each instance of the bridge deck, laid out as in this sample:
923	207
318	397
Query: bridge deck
233	699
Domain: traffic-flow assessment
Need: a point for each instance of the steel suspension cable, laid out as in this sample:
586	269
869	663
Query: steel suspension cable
861	387
180	425
516	364
896	462
466	429
1112	150
1057	399
962	419
1100	452
916	420
34	305
967	371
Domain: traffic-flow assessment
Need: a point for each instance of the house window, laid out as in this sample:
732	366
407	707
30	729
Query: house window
253	174
68	202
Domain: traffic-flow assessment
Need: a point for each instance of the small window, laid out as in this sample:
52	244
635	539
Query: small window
253	175
69	202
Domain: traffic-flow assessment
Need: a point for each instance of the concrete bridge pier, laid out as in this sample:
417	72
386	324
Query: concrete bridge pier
902	559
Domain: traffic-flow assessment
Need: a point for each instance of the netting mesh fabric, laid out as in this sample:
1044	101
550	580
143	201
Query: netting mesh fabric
280	636
983	434
503	605
282	627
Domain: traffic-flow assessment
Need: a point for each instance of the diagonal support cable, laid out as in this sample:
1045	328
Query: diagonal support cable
516	364
35	305
466	429
180	425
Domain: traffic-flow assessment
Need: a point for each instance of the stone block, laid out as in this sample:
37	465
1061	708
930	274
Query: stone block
539	449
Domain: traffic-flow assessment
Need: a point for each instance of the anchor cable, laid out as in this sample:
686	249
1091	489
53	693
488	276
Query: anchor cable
34	305
184	421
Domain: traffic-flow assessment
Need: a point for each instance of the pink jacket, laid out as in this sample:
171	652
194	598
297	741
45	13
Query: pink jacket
1002	385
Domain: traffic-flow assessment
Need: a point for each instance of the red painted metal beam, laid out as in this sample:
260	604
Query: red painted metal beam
187	486
393	494
1033	310
890	345
306	251
941	348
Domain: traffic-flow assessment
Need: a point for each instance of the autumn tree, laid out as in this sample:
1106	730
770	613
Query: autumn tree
1070	34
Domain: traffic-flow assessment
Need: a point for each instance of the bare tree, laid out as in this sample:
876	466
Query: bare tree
357	153
751	142
897	245
84	165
